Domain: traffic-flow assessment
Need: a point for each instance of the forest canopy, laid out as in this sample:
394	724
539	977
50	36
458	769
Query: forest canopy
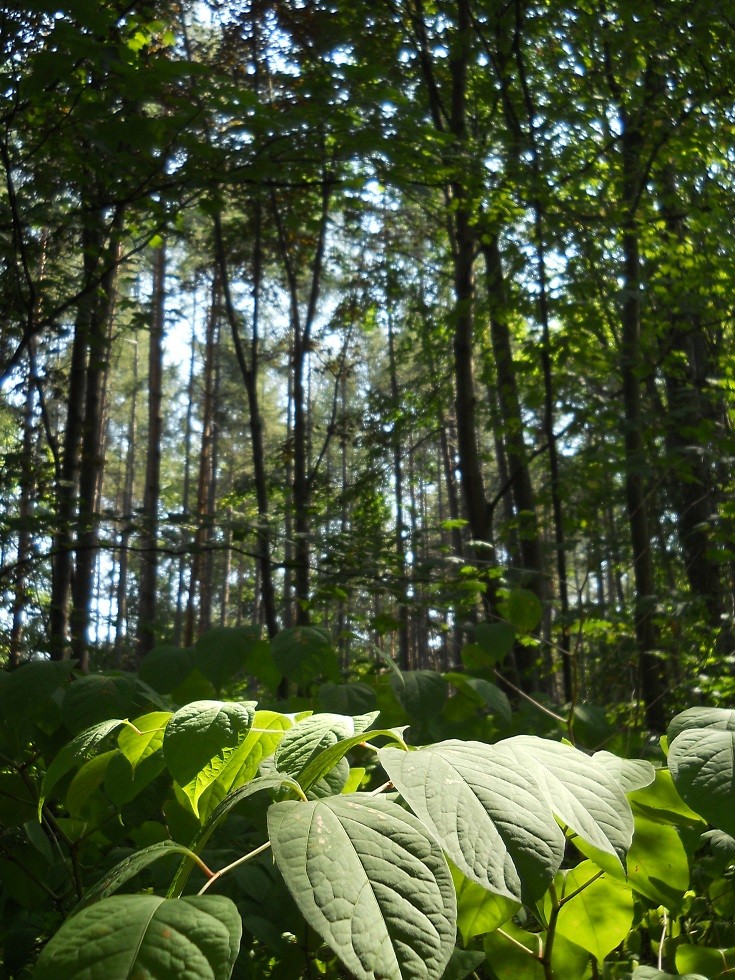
367	514
401	320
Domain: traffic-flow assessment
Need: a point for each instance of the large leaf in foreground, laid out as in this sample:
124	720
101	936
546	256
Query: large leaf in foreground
146	936
368	878
702	765
493	807
485	811
581	791
200	740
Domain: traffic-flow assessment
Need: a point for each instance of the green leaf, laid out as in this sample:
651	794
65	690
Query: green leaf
312	735
166	667
651	973
599	917
658	866
580	791
421	693
257	785
478	910
484	810
226	650
303	653
80	797
702	765
146	936
721	719
495	640
347	699
482	693
18	803
632	774
712	964
129	868
242	765
123	783
522	608
367	877
148	739
25	693
660	802
200	740
96	698
507	960
75	752
328	758
462	963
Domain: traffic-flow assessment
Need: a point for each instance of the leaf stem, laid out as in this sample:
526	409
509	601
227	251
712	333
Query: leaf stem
235	864
515	942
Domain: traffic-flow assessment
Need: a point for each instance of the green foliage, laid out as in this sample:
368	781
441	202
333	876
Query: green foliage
332	845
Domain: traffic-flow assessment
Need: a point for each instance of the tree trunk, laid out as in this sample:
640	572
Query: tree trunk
152	491
651	676
122	605
92	447
194	613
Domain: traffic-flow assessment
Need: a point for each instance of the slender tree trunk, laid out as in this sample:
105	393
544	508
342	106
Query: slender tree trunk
67	489
186	491
91	461
400	542
147	607
121	619
249	369
195	616
25	539
651	676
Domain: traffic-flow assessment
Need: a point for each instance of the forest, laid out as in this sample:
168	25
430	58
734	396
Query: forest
367	373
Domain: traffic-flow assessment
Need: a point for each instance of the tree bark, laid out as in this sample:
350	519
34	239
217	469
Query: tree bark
147	606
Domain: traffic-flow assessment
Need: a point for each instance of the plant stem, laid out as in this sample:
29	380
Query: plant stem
235	864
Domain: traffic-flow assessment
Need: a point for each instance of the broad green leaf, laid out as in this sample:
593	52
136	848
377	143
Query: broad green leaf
713	964
96	698
600	915
326	759
651	973
421	693
495	640
242	765
632	774
80	798
303	653
123	783
347	699
146	936
276	781
303	743
486	812
661	802
25	692
482	693
370	881
462	963
478	910
18	802
224	651
140	744
129	868
658	866
702	765
166	667
506	959
581	792
721	719
522	608
201	738
75	752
